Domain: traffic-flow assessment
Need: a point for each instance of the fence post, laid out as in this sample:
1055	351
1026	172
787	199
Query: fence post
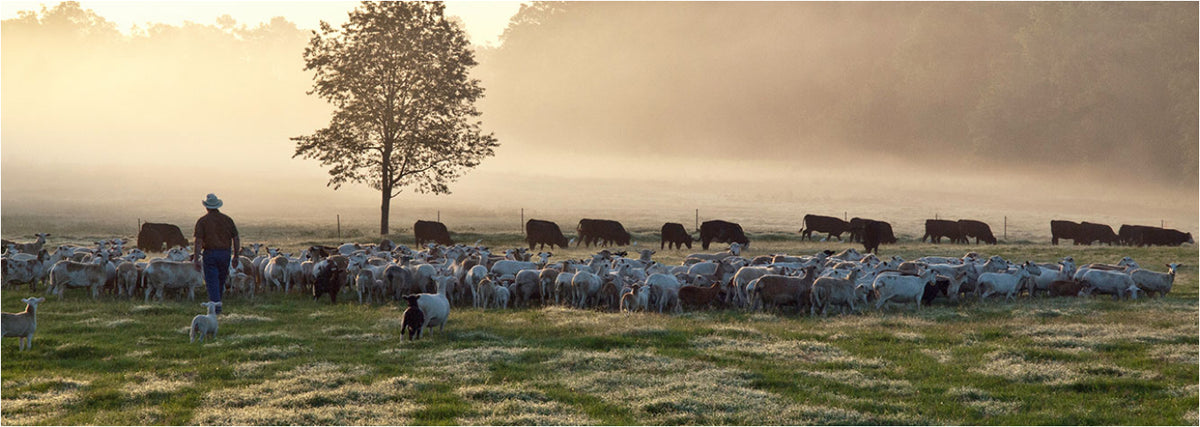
522	219
439	215
1006	228
139	229
697	219
339	225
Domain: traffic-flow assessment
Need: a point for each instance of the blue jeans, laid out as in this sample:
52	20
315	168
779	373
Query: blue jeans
216	272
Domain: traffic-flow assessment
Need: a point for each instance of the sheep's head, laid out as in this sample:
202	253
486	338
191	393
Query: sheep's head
412	299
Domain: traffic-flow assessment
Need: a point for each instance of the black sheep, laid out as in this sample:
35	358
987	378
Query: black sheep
414	318
327	282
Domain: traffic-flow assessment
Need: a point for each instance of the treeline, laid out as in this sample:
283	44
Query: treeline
1107	85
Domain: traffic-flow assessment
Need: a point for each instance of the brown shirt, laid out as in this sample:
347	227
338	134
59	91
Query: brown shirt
216	231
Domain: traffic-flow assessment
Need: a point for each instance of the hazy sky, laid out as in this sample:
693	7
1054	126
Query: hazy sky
485	20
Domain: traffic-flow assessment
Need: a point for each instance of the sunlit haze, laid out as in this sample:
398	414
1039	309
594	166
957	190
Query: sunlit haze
751	112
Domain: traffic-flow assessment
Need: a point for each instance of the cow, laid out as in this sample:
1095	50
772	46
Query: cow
1091	232
935	229
874	233
544	233
1132	235
824	224
722	232
675	235
977	229
1060	229
431	231
602	232
1166	237
154	236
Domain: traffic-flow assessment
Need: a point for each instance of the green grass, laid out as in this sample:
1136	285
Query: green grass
288	360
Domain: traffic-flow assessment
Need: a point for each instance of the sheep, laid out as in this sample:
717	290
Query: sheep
840	291
414	319
32	248
1152	281
329	281
363	282
204	324
1065	288
1116	283
435	306
501	296
701	296
79	275
161	274
22	325
275	272
127	275
241	283
1008	284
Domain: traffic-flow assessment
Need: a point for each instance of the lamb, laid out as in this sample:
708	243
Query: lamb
435	306
1065	288
840	291
363	282
22	325
205	324
701	296
414	318
501	295
1152	281
241	283
32	248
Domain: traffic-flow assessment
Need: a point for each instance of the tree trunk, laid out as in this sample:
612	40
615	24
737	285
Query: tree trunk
384	207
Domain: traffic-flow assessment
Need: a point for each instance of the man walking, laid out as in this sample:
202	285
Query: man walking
217	236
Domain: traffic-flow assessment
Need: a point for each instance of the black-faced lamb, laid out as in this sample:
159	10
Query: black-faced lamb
414	318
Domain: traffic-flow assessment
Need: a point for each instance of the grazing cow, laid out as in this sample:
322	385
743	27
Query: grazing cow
1060	229
824	224
977	229
431	231
602	232
1091	232
1166	237
1133	235
153	237
875	232
544	233
675	235
936	229
722	232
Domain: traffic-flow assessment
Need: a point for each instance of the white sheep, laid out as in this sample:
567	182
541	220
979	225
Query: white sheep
436	306
501	296
1153	281
22	325
205	324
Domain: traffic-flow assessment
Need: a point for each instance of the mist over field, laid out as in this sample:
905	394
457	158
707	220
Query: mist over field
757	113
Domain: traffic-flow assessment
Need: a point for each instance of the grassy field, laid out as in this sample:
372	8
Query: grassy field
287	360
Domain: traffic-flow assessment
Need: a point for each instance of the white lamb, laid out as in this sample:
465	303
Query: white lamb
205	324
21	325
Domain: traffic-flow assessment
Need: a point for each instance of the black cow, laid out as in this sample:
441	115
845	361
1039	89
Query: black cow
873	233
1060	229
432	231
857	227
1166	237
722	232
935	229
824	224
544	233
1091	232
602	232
1132	235
675	235
153	236
977	229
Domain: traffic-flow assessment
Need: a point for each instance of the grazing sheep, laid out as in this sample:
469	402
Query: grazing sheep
21	325
204	324
414	318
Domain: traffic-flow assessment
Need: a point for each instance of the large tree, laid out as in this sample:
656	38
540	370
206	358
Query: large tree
405	116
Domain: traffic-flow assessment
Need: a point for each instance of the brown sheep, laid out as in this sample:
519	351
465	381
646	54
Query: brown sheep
700	296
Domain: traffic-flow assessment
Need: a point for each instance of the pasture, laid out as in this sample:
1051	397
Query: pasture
284	359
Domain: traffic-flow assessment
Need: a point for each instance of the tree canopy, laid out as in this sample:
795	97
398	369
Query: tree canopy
397	75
